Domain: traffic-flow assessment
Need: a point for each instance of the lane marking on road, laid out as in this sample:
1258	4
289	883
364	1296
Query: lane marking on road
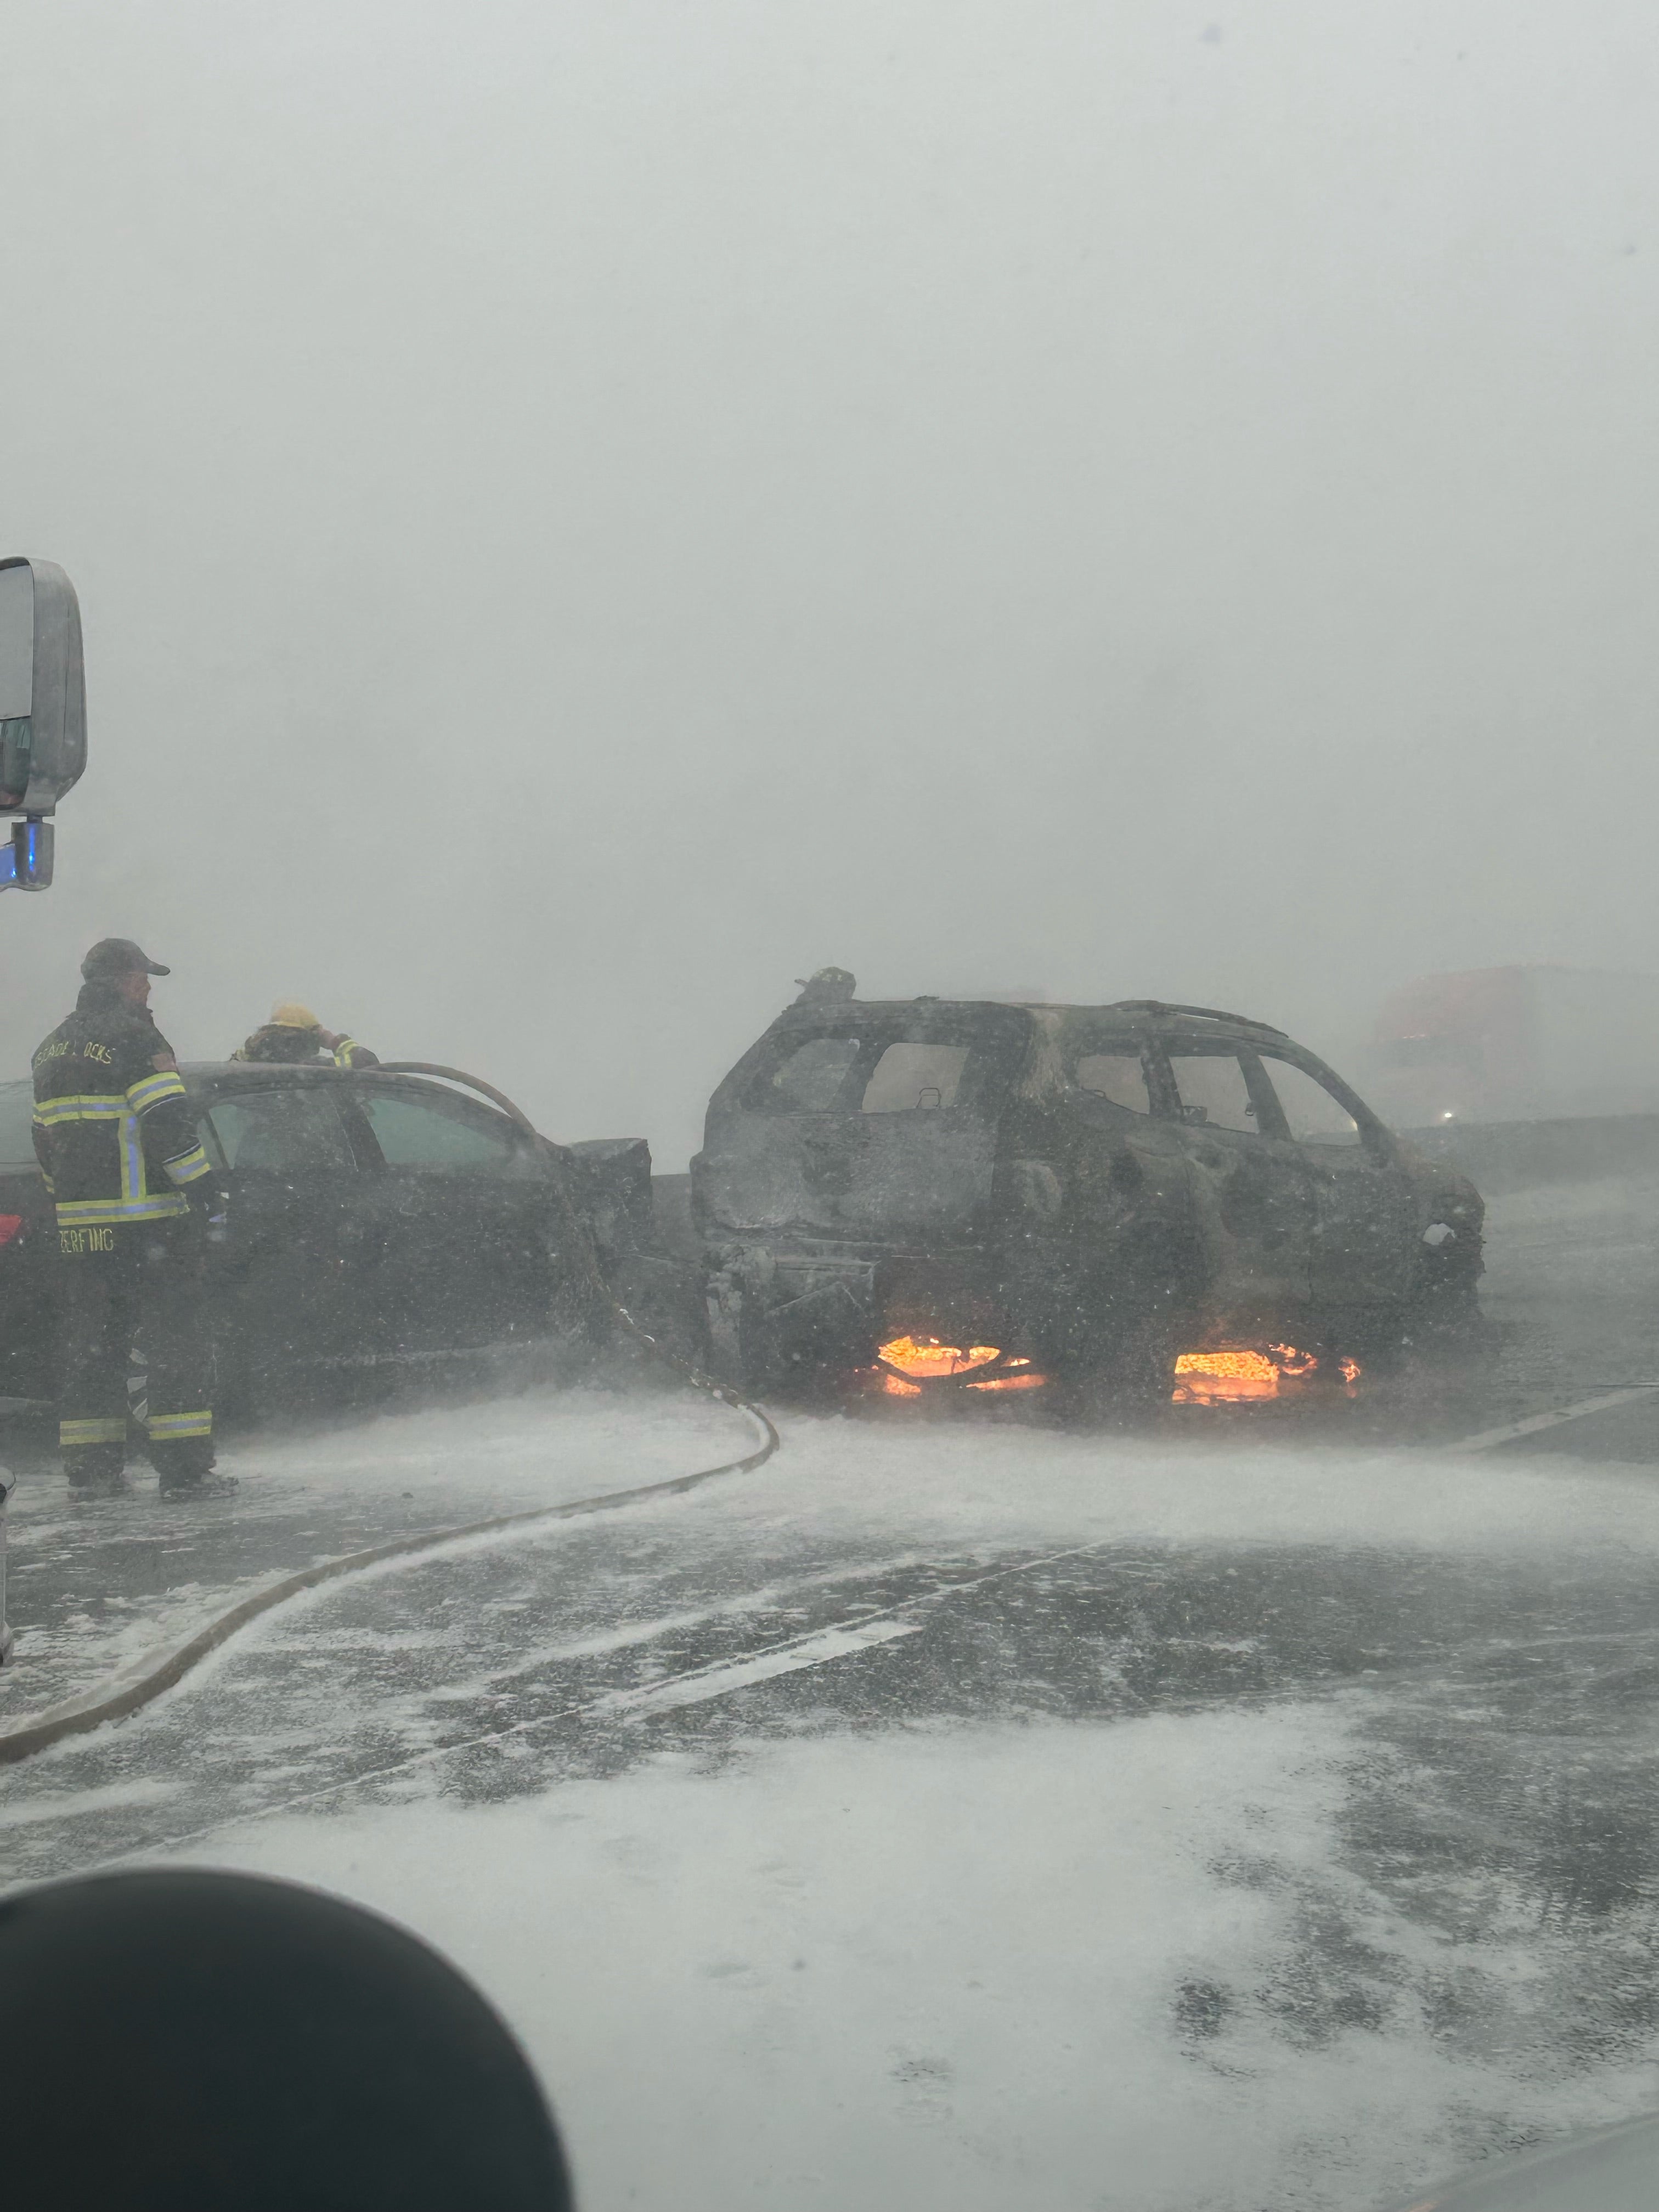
1627	1394
771	1597
148	1677
737	1674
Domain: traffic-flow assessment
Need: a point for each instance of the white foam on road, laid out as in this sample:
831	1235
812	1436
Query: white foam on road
950	1484
313	1494
1063	1966
955	1971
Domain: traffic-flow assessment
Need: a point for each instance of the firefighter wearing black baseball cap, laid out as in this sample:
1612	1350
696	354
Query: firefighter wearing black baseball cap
136	1194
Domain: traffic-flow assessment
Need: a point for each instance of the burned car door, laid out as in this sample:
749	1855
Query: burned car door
463	1219
869	1125
1096	1226
1365	1244
923	1142
1252	1197
286	1294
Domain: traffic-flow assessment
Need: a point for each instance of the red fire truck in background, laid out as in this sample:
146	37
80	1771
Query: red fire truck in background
1516	1044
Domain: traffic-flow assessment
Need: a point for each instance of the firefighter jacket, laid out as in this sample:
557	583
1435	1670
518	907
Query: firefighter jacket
114	1130
302	1048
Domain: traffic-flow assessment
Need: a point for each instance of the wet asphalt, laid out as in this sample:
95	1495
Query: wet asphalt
1505	1711
1502	1771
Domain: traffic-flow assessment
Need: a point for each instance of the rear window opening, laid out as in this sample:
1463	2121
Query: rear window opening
810	1081
877	1069
911	1078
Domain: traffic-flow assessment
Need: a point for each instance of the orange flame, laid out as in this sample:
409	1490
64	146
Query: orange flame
908	1362
1293	1363
1226	1377
1219	1379
926	1357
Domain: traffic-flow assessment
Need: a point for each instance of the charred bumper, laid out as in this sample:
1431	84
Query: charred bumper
778	1308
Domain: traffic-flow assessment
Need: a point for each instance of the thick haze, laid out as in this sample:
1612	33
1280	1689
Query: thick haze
583	513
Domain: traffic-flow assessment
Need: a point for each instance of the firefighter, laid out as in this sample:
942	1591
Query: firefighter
136	1200
294	1034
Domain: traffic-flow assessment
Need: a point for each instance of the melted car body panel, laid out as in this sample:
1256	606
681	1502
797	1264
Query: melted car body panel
1054	1179
879	1119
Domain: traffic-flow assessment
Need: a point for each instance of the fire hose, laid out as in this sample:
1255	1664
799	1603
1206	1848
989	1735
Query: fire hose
163	1670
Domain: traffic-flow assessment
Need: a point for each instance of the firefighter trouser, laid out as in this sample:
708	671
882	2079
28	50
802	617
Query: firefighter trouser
143	1280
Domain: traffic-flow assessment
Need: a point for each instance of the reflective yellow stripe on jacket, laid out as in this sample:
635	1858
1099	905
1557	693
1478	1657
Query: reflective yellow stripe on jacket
153	1089
137	1202
103	1107
98	1212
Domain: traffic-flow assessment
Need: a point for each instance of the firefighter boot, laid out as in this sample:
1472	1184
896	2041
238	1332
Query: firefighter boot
106	1479
94	1456
185	1468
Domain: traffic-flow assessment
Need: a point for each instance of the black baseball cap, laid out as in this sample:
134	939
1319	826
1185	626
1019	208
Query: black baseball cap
118	956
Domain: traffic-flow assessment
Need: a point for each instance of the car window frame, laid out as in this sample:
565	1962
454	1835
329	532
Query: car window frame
921	1044
1376	1138
204	1100
1079	1045
854	1076
1270	1122
997	1054
451	1106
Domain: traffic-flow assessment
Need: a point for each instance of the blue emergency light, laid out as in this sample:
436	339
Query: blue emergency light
26	858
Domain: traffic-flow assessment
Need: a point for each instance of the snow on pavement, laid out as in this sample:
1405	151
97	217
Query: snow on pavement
120	1581
1046	1965
95	1590
934	1962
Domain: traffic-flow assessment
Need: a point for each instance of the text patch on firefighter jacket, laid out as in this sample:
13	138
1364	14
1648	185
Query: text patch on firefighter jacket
114	1130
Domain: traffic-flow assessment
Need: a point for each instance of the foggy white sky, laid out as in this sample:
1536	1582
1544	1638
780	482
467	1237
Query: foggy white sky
584	512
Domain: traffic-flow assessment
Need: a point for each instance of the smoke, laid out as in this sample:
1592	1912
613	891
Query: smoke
583	513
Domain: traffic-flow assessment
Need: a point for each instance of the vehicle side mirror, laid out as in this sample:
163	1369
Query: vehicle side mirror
43	693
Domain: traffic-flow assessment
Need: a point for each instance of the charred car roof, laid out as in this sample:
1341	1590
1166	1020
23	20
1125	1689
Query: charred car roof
1138	1013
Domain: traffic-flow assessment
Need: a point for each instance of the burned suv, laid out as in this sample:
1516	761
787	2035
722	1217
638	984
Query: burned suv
980	1193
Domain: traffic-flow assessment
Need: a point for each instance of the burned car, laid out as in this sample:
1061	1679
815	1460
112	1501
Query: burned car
978	1194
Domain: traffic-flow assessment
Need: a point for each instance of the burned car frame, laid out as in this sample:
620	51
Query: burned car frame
973	1194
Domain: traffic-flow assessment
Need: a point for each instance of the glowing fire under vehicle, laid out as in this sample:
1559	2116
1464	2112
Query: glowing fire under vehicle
977	1196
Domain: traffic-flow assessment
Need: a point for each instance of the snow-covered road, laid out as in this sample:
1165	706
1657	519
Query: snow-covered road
957	1815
